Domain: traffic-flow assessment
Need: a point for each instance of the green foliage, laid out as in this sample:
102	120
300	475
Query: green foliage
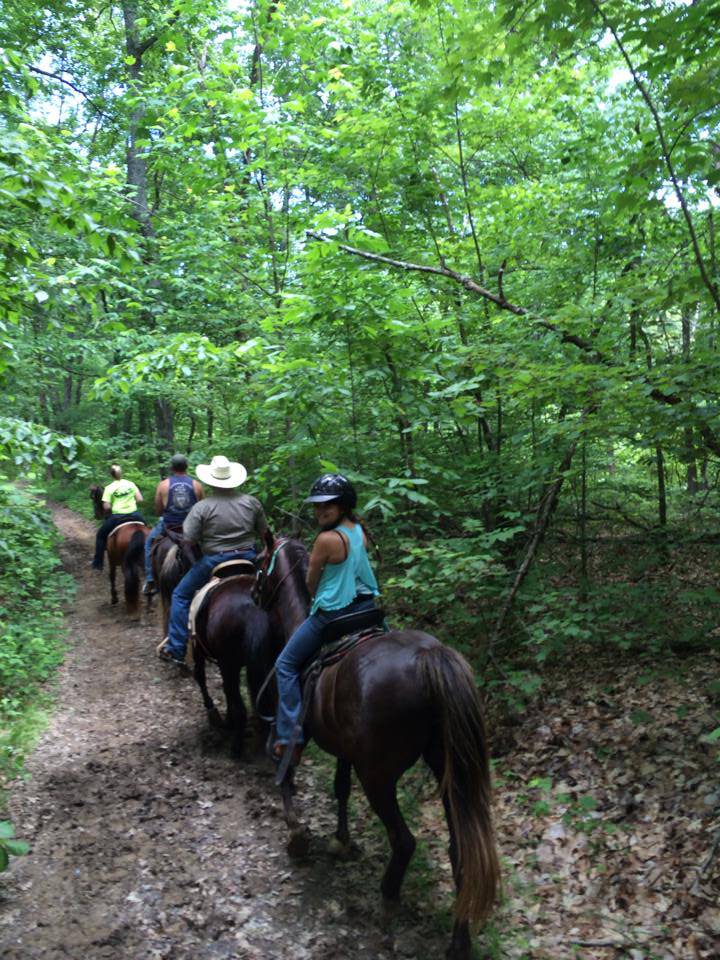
9	847
441	248
32	591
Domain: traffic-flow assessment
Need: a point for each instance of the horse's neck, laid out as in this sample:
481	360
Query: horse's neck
293	609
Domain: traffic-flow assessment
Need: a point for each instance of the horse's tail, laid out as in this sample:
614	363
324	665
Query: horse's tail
465	784
132	563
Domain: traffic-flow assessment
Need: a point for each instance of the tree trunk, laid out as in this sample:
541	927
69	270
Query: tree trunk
135	157
164	424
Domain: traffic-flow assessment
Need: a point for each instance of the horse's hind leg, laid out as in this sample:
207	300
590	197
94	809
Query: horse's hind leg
460	945
236	712
113	588
201	680
340	844
382	794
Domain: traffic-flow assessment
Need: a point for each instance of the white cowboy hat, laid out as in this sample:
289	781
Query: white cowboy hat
221	472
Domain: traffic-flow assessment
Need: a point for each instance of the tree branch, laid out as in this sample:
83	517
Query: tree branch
665	150
69	83
711	440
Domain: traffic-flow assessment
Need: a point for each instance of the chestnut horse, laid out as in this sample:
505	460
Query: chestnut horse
395	698
125	549
232	630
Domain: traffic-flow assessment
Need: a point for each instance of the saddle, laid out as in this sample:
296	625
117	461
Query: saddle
337	643
332	653
233	568
127	523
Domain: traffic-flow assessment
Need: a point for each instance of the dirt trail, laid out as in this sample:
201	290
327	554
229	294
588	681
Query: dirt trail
150	841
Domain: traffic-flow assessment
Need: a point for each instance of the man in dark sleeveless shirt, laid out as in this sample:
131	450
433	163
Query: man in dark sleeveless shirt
174	497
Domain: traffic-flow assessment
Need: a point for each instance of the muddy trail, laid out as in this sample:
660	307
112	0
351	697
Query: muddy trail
149	840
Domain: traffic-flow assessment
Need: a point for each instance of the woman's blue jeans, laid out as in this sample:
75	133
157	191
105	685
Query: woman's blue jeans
300	648
196	577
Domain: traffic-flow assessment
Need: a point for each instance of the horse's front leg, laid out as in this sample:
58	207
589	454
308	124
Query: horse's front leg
298	845
113	589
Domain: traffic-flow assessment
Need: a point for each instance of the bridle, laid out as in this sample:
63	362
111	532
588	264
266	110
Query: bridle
266	570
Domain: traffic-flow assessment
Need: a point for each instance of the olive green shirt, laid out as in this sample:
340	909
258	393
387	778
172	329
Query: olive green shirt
225	521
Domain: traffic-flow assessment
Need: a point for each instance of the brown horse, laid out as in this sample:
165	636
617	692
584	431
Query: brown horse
232	630
395	698
125	549
171	558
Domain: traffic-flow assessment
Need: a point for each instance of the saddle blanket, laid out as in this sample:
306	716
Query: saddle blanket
331	653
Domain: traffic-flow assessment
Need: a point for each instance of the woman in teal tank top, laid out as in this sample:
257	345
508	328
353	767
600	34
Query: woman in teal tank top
340	580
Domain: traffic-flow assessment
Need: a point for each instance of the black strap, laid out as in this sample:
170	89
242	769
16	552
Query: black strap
344	543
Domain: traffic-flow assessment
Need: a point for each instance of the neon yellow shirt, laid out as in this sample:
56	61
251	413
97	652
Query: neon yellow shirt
120	494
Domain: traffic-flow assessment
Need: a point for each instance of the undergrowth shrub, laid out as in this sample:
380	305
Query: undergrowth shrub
32	592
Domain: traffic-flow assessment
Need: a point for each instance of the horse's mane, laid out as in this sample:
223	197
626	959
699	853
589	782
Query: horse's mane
296	551
297	559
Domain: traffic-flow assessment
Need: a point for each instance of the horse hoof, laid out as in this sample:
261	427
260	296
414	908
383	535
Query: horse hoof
391	908
342	851
458	953
298	846
214	719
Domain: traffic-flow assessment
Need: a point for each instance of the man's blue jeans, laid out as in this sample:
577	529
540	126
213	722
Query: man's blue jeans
301	646
157	531
196	577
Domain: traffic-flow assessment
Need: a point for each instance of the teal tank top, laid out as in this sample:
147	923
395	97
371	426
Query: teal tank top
340	583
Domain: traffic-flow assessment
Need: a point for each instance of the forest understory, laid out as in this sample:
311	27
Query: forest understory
150	841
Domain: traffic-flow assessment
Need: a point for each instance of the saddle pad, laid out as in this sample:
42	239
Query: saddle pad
128	523
331	653
198	601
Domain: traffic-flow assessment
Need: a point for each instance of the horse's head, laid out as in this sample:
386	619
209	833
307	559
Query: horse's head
96	497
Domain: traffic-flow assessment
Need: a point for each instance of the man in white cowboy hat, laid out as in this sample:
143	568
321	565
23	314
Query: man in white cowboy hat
225	525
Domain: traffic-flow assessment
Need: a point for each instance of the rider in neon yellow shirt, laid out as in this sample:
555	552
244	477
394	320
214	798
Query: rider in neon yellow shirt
120	499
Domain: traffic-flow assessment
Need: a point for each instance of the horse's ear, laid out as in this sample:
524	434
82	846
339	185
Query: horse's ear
269	538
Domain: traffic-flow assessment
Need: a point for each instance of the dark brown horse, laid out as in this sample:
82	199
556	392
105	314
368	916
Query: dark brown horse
395	698
125	549
232	630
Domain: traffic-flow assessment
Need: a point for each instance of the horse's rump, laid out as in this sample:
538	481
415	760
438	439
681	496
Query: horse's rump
228	618
167	566
123	526
374	694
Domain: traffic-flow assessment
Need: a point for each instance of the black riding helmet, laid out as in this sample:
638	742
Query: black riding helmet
333	486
